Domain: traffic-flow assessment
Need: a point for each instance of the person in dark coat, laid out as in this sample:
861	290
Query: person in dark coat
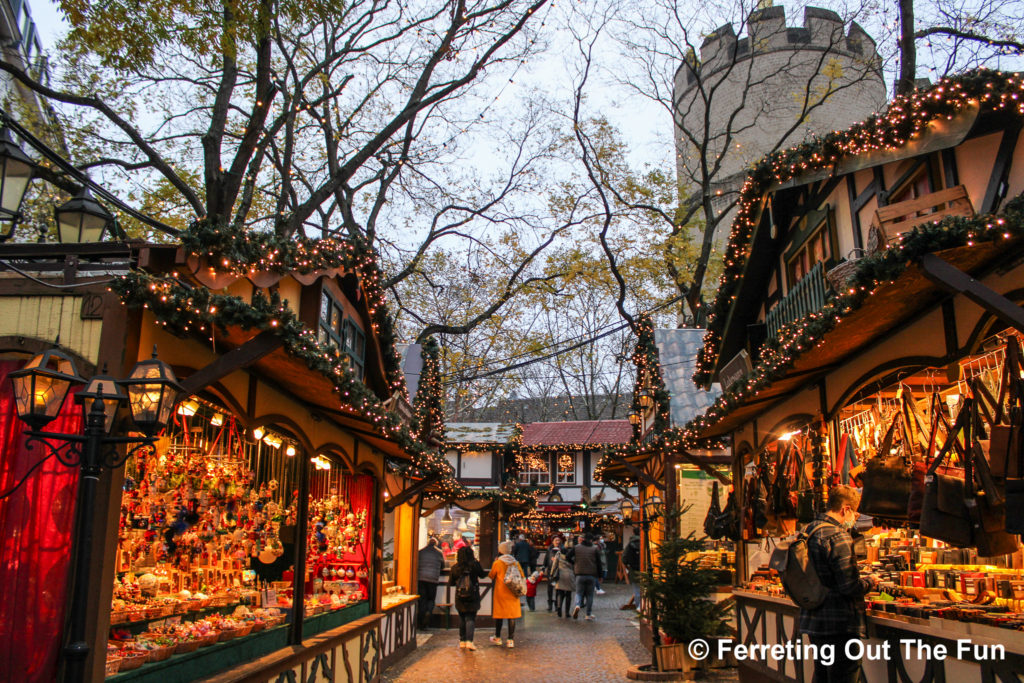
525	555
467	605
430	562
550	563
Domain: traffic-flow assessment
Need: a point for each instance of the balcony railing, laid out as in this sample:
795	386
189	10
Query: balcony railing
806	297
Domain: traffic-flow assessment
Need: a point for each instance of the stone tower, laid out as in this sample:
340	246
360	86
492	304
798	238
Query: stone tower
753	90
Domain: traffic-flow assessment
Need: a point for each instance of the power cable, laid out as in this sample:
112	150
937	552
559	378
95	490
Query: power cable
69	168
585	342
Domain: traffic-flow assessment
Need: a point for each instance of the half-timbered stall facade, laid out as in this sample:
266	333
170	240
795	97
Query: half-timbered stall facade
870	307
248	536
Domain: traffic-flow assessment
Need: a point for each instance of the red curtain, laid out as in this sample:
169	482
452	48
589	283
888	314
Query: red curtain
36	524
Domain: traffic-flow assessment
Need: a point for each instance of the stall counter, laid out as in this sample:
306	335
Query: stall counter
898	648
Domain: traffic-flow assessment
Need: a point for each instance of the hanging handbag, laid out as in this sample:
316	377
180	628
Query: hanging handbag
944	514
804	493
920	467
986	506
1005	444
714	511
886	480
728	523
782	502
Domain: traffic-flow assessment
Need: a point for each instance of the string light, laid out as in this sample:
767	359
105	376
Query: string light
905	119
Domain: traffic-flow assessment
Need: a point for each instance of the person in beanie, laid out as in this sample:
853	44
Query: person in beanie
840	618
506	603
550	562
428	575
467	605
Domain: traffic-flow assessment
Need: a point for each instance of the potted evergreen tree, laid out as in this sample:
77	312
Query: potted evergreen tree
678	593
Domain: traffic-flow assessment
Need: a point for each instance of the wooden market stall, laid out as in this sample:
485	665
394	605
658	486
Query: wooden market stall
251	534
880	307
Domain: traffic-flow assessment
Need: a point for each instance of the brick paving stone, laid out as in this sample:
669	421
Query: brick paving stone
548	649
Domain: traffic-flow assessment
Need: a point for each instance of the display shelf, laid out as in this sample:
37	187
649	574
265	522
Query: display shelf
136	626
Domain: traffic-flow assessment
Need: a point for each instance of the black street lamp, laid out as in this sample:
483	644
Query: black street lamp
39	390
81	219
648	513
16	170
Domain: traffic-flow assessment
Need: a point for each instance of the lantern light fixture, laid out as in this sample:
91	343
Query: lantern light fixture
81	219
106	389
153	390
16	169
41	386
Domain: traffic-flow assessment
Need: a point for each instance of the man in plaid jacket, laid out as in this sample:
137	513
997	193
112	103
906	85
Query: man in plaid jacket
840	618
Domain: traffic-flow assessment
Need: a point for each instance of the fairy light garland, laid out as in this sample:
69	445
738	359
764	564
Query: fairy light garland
872	272
905	118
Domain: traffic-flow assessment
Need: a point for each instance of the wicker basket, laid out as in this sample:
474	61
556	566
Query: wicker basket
244	631
228	634
839	276
113	665
258	626
133	661
186	646
209	639
118	617
161	653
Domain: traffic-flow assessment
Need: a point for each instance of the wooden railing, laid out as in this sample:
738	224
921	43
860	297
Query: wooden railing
806	297
903	216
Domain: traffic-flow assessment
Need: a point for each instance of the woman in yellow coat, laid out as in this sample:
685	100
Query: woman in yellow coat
505	602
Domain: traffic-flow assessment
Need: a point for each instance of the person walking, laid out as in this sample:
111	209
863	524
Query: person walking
565	585
631	561
586	567
428	575
465	576
550	562
840	618
505	603
531	590
602	555
524	554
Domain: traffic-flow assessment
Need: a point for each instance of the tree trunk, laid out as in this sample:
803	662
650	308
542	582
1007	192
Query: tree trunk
908	49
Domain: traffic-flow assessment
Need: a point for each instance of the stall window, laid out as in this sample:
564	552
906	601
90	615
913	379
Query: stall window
343	332
535	472
566	468
808	251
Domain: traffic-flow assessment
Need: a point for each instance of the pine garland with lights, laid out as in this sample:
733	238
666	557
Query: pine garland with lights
648	378
904	119
245	252
872	272
428	405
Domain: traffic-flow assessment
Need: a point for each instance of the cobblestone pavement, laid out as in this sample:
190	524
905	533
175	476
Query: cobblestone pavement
548	649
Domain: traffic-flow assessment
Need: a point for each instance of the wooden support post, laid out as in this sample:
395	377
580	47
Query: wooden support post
262	344
955	280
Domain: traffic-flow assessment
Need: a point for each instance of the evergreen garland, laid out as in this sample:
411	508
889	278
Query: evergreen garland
798	336
904	119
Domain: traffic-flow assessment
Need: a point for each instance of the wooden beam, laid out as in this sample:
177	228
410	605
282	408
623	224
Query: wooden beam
411	492
637	472
996	189
955	280
262	344
695	460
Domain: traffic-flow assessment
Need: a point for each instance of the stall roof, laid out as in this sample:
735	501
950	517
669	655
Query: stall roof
479	432
677	351
579	433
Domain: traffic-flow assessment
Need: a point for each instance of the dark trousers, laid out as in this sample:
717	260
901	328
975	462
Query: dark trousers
843	669
531	602
551	595
467	626
428	594
511	628
563	598
585	591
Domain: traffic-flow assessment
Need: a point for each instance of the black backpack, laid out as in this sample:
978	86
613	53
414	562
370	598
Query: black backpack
464	586
799	577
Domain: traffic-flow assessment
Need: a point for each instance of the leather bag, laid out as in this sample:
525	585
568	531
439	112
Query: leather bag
886	480
944	513
728	523
714	511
